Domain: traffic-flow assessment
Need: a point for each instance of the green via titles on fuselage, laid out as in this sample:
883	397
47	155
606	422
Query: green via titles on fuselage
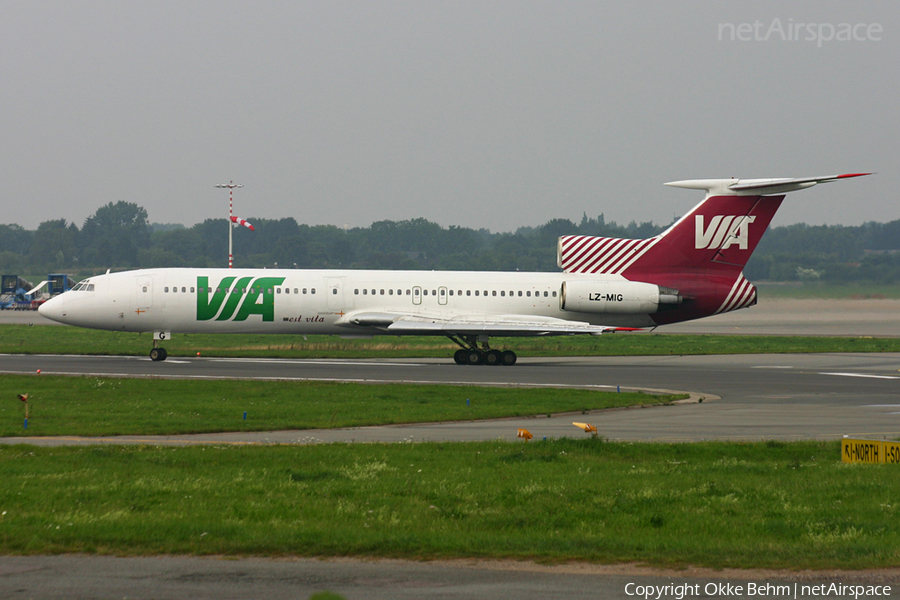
256	298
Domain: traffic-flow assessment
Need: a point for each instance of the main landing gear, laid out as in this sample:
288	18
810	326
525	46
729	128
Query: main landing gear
470	354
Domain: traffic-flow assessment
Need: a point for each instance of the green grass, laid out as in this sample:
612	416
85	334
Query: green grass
770	505
22	339
92	406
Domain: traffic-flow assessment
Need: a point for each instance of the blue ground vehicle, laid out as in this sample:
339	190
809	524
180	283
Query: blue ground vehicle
17	293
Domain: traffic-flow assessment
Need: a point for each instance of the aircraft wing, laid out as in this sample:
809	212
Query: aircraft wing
502	325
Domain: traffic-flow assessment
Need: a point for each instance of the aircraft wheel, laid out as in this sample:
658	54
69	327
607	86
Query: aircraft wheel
474	357
508	358
460	356
158	354
492	357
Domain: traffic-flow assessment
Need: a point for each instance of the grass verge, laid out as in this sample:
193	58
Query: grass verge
768	505
91	406
22	339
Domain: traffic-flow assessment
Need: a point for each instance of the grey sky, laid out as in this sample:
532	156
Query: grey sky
480	114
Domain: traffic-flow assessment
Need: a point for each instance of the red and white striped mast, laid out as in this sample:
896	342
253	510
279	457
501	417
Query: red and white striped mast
230	185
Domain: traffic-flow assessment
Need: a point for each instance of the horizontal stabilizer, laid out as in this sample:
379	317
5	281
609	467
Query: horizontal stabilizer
757	187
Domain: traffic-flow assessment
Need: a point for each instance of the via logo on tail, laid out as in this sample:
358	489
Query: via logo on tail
723	231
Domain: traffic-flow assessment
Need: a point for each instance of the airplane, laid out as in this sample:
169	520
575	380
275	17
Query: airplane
691	270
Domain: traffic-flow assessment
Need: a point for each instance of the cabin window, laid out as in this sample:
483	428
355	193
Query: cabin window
468	292
424	292
287	290
399	292
192	289
494	293
145	288
434	292
166	289
407	292
459	292
183	290
443	292
356	292
295	290
528	293
277	290
520	293
476	292
334	291
451	292
390	292
382	292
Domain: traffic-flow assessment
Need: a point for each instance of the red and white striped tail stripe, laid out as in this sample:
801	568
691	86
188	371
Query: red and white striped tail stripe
587	254
742	295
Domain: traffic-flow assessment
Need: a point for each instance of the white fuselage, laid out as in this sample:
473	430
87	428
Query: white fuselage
311	301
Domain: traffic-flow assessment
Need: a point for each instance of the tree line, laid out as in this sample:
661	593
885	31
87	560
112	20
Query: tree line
119	236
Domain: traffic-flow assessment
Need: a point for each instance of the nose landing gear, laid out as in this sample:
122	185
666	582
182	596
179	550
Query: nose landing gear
157	353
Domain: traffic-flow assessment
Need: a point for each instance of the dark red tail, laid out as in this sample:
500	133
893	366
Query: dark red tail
702	255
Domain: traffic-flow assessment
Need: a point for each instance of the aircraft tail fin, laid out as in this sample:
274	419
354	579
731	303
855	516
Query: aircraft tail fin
719	234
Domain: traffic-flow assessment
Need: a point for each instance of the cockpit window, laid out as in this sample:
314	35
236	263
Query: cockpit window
84	286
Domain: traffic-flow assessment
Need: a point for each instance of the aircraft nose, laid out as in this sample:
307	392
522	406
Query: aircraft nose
53	309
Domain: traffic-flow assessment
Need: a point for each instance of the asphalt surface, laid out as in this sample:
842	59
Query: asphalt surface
167	577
